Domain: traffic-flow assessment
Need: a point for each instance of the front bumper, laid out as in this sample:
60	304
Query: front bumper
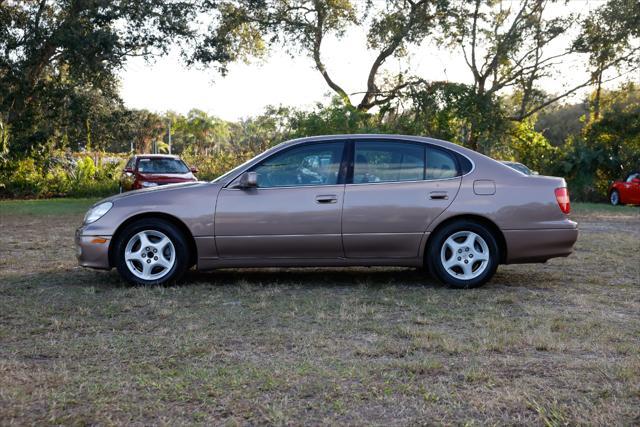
92	251
539	245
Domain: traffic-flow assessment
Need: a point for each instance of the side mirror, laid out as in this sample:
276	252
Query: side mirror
636	180
248	180
194	169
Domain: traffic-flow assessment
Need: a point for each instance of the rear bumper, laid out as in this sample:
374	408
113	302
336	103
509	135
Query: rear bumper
92	251
539	245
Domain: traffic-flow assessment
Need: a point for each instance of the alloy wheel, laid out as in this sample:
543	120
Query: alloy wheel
150	255
464	255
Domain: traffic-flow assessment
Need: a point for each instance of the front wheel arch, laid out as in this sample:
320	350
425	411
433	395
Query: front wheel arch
193	249
490	225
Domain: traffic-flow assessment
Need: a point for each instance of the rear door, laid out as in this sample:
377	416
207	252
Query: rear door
396	189
293	213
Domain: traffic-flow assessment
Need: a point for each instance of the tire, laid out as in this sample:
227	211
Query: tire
166	259
463	254
614	198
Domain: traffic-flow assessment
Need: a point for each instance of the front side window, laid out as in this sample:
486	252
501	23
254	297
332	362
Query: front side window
391	161
130	163
311	164
161	165
440	164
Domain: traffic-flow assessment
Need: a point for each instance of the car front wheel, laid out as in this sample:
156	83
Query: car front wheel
151	252
614	198
463	254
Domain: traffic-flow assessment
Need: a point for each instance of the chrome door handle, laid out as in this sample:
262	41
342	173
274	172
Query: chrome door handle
438	195
326	198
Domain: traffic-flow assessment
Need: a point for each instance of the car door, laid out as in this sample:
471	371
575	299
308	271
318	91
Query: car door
633	189
395	190
293	213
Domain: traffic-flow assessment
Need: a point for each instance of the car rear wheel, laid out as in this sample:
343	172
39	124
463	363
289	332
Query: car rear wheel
614	198
151	252
463	254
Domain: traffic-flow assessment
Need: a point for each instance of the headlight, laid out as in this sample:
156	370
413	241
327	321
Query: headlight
148	184
97	212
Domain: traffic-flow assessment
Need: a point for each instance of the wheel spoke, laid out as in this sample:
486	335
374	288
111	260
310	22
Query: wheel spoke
146	270
451	262
162	244
144	239
162	262
133	256
470	240
467	269
452	244
480	256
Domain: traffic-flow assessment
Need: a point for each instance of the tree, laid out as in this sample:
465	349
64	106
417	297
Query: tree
611	38
246	27
83	41
510	46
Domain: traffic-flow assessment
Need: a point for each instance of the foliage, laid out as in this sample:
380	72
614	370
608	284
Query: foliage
61	175
58	62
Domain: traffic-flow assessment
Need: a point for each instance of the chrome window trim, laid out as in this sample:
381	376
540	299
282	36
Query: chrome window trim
344	139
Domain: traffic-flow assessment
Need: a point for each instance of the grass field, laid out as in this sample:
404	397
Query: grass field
552	344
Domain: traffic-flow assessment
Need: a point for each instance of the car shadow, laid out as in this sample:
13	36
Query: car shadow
354	277
315	277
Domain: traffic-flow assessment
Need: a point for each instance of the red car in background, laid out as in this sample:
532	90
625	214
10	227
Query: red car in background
151	170
626	192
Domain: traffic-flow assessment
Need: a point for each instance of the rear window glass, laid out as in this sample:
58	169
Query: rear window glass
162	166
440	164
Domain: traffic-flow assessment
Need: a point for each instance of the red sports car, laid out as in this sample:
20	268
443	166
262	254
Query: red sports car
626	192
151	170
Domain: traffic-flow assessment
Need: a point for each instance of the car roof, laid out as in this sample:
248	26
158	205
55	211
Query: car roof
348	136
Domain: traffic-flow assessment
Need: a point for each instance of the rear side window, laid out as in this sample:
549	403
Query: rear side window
440	164
390	161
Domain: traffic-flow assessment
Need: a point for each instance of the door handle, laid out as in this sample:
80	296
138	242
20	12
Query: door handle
438	195
326	198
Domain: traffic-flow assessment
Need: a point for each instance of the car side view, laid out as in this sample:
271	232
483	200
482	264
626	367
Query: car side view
345	200
152	170
627	191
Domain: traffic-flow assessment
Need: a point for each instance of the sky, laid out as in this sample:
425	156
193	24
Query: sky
168	85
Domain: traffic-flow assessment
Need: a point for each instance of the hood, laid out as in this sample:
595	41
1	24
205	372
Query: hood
154	190
165	176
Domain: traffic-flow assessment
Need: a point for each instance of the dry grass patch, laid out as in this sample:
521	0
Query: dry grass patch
547	344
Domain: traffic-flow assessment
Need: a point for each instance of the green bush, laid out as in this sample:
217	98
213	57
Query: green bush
59	176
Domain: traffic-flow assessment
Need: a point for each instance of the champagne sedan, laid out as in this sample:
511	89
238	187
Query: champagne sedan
335	201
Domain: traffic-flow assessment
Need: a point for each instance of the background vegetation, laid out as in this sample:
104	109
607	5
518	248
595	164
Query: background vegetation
62	120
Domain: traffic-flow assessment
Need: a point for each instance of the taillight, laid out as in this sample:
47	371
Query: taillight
562	197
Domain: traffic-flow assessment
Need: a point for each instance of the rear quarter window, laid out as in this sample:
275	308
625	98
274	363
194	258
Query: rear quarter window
441	164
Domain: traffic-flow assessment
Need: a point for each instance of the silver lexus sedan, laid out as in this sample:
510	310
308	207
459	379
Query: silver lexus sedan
336	201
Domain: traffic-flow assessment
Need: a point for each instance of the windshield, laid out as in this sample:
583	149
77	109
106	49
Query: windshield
239	167
162	165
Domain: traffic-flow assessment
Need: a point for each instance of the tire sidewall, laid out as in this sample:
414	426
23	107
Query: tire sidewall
440	236
171	231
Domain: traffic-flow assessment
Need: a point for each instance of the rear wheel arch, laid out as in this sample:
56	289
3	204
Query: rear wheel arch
489	224
193	250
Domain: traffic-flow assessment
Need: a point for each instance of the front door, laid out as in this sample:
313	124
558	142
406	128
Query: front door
398	188
293	213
